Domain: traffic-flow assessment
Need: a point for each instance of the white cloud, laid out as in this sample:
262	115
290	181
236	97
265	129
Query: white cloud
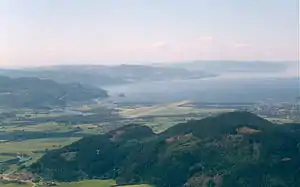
241	45
205	38
159	44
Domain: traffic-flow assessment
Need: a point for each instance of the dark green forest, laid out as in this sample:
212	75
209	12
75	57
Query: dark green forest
99	75
37	93
236	149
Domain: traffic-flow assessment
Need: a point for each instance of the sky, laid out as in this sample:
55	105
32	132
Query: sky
51	32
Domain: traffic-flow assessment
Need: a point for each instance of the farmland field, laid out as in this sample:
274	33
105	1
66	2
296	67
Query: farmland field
28	146
2	184
159	124
89	183
139	185
33	148
42	127
4	158
177	108
160	117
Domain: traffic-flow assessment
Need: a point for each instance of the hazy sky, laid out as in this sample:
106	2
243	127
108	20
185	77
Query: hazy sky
44	32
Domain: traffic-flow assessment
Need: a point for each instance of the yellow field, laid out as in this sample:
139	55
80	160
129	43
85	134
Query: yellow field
178	108
162	109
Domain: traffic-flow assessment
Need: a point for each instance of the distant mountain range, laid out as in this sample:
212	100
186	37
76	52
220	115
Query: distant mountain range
106	75
100	75
35	92
236	149
223	66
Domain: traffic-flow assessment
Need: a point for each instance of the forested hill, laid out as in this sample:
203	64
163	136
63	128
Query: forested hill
234	149
98	75
34	92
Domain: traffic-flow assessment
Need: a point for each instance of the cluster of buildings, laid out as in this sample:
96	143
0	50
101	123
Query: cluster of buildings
289	111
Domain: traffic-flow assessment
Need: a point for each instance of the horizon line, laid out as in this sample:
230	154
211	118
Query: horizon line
117	63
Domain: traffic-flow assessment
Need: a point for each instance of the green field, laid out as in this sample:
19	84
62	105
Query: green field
4	158
159	124
89	183
31	115
14	185
42	127
139	185
30	147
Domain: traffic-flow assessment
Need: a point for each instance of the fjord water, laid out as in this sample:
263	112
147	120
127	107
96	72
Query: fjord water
225	88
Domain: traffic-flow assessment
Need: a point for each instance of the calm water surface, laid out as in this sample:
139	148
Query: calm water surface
225	88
